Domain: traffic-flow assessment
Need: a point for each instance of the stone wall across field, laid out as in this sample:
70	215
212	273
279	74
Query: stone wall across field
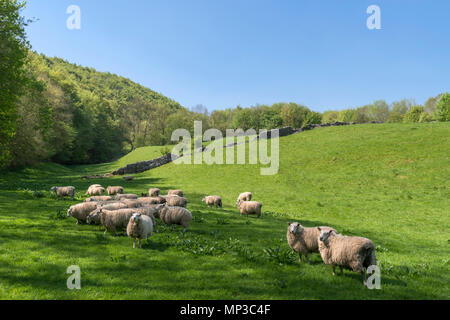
142	166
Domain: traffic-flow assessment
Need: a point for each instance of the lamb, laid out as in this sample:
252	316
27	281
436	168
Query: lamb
97	191
355	253
245	196
213	201
139	227
81	211
64	191
154	192
98	198
175	215
114	190
121	196
92	186
175	193
249	207
152	200
304	240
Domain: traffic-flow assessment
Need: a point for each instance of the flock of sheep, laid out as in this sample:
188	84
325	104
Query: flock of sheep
117	211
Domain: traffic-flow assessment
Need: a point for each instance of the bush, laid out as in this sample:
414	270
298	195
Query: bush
394	117
330	116
425	117
413	115
442	112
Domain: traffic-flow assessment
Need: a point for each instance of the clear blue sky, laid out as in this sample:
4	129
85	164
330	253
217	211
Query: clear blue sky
221	53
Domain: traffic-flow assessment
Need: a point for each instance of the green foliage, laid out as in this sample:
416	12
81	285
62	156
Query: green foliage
425	117
442	112
330	116
413	115
279	255
394	117
346	115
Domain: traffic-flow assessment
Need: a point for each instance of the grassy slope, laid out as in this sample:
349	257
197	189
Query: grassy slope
387	182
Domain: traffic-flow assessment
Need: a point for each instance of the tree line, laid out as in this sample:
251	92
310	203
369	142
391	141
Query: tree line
53	110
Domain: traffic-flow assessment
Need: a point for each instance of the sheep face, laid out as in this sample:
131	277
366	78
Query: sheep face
69	212
295	228
204	200
136	217
94	215
53	189
325	234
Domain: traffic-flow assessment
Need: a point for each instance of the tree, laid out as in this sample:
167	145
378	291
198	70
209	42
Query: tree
330	116
13	53
442	112
346	115
378	111
361	115
430	104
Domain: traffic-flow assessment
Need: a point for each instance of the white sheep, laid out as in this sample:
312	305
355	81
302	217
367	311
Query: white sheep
245	196
154	192
152	200
121	196
213	201
355	253
114	190
175	193
175	215
139	227
176	201
304	240
98	198
81	211
249	207
112	220
93	186
96	191
68	191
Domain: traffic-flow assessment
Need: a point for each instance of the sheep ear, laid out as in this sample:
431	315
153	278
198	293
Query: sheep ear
289	223
319	228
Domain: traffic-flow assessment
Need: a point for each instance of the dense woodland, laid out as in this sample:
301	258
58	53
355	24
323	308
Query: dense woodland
53	110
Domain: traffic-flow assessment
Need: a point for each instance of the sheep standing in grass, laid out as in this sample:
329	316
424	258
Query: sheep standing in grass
175	193
128	178
152	200
139	227
176	201
97	191
175	215
91	187
112	220
213	201
245	196
121	196
68	191
98	198
132	203
304	240
81	211
355	253
249	207
154	192
114	190
113	206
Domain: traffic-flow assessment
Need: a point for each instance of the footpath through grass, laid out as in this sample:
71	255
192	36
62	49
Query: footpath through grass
387	182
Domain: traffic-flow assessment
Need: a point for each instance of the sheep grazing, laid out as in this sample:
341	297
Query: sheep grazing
176	201
92	186
128	178
98	198
154	192
249	207
114	190
152	200
112	220
97	191
245	196
213	201
121	196
114	206
81	211
175	215
132	203
175	193
64	191
139	227
355	253
304	240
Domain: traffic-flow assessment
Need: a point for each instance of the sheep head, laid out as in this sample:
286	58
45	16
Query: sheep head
295	228
325	234
136	217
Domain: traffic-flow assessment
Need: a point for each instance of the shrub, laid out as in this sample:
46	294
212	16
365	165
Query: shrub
413	115
394	117
330	116
425	117
282	256
442	112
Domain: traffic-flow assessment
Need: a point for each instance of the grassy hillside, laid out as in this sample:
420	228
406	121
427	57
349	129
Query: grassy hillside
387	182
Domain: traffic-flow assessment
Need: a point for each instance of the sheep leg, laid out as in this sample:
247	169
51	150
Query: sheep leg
334	270
173	227
134	243
140	243
342	270
307	260
185	229
300	258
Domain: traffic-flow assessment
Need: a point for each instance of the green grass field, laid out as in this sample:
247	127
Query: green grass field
386	182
